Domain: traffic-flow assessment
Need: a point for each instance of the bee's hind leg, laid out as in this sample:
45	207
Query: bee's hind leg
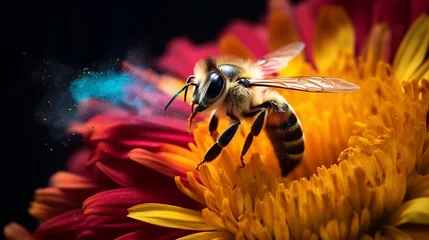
221	142
254	131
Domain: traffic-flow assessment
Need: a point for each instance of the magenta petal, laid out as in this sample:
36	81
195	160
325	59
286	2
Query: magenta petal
62	227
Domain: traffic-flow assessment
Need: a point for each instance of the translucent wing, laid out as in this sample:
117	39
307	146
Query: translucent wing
306	83
278	59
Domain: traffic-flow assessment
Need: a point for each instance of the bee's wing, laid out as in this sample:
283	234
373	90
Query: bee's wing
306	83
278	59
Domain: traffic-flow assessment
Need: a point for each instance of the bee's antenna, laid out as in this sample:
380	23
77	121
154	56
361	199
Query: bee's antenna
178	92
187	82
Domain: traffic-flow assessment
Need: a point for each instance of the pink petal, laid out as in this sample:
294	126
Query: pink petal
94	107
77	162
182	55
305	19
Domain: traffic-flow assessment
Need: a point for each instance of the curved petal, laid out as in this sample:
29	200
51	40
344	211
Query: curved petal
413	49
413	211
115	202
169	216
334	34
128	173
160	234
208	236
108	227
63	226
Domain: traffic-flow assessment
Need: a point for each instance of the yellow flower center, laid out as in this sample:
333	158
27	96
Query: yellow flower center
366	162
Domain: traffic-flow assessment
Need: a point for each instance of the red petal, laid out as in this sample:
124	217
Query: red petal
116	202
418	7
62	227
360	14
108	227
396	13
154	129
128	173
161	234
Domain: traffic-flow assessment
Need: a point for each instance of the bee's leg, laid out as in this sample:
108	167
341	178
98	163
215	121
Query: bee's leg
254	131
221	142
214	121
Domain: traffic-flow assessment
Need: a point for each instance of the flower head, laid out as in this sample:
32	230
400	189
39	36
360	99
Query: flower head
366	154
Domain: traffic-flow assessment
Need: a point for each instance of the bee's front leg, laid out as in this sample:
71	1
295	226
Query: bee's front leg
223	140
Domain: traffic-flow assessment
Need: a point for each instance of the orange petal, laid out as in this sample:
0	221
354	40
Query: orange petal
334	34
280	30
231	45
68	180
14	231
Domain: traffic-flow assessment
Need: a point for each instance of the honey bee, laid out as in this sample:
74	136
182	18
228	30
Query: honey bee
241	89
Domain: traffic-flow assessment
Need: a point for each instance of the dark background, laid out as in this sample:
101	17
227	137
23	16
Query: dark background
79	34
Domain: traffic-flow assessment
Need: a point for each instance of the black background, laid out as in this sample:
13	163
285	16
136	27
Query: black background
78	34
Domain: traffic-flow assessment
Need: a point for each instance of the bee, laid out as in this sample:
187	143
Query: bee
242	89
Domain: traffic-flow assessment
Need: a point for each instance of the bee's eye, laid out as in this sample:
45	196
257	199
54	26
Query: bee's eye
216	84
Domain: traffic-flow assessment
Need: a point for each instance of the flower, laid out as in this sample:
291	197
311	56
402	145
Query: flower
90	199
366	162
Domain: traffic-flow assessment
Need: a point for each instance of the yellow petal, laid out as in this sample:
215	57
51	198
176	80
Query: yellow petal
413	211
334	33
377	47
169	216
412	49
422	71
207	236
231	45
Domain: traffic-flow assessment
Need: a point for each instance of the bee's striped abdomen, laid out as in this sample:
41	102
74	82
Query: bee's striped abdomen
286	136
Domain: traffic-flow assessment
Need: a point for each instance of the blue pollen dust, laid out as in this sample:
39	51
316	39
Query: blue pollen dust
107	86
